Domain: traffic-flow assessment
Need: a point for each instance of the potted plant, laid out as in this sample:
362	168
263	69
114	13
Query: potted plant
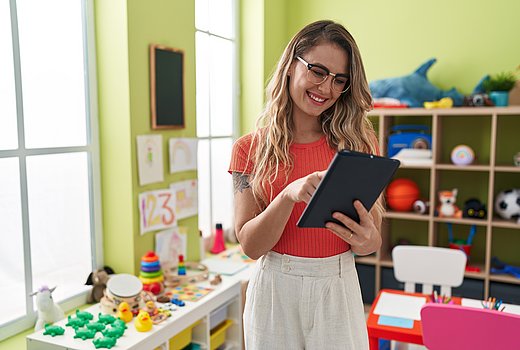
498	87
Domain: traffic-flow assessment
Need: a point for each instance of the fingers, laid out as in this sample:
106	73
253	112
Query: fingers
363	213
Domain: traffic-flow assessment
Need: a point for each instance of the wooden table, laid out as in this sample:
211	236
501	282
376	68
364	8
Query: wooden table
407	335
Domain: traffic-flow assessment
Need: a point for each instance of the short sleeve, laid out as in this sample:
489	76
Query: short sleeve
242	156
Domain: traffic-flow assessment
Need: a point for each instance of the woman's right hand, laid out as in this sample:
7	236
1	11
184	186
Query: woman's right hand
301	190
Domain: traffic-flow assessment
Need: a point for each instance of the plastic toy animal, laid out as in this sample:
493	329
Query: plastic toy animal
84	315
113	332
447	208
415	89
85	333
53	330
48	310
75	322
143	322
124	313
105	342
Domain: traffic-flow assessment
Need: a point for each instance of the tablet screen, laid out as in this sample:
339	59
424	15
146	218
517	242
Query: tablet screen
351	175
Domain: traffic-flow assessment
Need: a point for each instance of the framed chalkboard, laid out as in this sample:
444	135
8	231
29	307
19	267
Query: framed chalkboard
167	87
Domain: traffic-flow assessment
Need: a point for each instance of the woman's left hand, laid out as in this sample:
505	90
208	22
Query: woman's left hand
364	238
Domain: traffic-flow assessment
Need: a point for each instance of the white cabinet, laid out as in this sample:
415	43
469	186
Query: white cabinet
227	293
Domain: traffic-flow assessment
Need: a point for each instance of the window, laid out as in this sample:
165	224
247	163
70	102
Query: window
216	60
49	166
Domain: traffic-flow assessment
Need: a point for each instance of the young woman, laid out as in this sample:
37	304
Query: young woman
304	293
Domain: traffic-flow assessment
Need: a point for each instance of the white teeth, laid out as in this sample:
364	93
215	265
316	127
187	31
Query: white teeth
316	98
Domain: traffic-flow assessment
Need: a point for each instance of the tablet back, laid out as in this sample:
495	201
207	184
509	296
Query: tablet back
351	175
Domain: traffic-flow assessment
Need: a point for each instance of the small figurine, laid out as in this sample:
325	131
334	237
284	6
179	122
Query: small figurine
473	208
124	313
48	310
216	280
447	208
53	330
181	268
75	322
85	333
84	315
114	332
106	319
421	206
120	323
143	322
105	342
97	326
178	302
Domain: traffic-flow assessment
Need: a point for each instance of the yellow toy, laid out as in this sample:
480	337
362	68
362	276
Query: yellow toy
445	102
143	322
124	313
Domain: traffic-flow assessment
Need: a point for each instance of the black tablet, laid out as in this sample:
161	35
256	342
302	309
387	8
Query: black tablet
351	175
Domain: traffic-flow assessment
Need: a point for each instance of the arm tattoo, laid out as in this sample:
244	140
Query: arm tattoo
240	182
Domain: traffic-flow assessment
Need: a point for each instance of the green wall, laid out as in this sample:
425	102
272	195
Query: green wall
468	38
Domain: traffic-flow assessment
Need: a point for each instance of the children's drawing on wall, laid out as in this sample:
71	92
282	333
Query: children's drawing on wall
157	210
169	244
186	198
150	159
183	154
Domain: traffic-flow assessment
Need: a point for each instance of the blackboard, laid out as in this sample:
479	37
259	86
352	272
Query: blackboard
167	87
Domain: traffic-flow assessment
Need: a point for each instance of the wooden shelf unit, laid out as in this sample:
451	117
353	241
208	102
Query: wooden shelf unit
490	132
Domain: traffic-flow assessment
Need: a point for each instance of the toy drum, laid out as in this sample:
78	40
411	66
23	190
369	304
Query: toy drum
122	287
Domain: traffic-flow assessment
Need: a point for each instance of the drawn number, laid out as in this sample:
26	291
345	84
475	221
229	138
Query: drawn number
169	211
152	219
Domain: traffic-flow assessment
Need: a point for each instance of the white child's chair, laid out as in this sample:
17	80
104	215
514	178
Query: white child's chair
429	266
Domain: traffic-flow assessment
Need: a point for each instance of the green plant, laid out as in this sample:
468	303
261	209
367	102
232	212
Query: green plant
504	81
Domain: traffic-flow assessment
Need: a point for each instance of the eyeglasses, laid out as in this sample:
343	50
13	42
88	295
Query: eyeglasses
317	75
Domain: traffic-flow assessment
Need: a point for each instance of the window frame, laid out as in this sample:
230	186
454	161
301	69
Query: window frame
17	325
235	120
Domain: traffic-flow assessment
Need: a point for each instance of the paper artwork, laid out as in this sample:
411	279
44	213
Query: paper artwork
183	154
186	198
150	159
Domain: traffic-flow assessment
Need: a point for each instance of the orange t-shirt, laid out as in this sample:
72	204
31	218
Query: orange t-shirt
308	158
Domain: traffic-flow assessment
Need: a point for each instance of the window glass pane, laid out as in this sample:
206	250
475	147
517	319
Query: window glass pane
59	221
221	19
204	187
202	71
51	54
8	133
201	14
221	87
221	182
12	286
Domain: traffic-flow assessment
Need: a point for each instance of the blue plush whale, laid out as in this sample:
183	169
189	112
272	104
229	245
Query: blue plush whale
414	89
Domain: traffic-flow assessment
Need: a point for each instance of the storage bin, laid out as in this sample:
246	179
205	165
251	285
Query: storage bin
183	338
218	334
192	346
218	316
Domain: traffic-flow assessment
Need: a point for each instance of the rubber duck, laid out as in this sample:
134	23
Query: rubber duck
143	322
124	313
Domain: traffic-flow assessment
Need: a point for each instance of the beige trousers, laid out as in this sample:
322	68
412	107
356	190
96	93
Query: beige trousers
298	303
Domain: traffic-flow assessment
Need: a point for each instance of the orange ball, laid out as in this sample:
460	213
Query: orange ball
401	194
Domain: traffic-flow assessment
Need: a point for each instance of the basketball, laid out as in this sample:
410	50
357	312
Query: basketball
401	194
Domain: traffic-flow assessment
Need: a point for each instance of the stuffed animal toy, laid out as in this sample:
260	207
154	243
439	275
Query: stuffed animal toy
447	208
415	89
48	310
98	280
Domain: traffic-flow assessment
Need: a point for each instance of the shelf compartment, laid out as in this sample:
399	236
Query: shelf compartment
406	216
507	129
505	223
463	221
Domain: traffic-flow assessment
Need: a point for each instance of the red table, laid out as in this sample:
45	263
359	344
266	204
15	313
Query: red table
407	335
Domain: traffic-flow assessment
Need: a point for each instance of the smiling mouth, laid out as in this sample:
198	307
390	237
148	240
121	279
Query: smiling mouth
316	99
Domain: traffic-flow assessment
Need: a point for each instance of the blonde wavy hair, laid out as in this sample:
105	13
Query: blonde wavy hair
345	124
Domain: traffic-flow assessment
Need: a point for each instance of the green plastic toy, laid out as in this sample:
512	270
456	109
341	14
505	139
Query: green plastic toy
119	323
84	315
85	333
97	326
53	330
75	322
105	342
106	319
114	332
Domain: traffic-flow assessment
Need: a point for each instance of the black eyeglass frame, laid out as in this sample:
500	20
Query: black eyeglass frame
333	75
